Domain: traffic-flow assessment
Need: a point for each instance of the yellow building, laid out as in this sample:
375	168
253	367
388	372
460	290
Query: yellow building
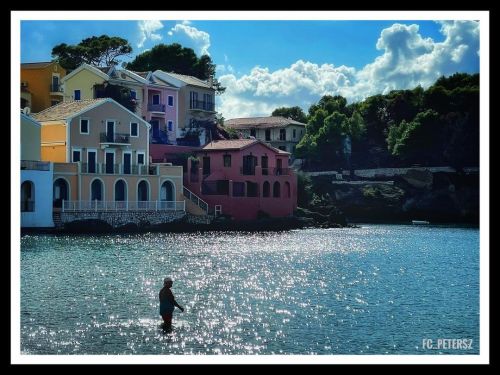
41	85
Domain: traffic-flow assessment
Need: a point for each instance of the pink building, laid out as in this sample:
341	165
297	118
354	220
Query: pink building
242	177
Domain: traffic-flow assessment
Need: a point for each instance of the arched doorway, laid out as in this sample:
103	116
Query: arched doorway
167	191
167	195
27	196
96	191
143	191
120	191
266	189
60	192
287	189
276	190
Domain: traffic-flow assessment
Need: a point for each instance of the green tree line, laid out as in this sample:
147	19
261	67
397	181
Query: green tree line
436	126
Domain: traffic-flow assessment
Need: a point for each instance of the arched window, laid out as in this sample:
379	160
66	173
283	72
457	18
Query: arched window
167	191
266	189
142	191
60	192
120	191
27	196
287	190
276	190
96	190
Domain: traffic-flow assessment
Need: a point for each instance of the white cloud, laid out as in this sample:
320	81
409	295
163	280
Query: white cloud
407	60
147	30
189	36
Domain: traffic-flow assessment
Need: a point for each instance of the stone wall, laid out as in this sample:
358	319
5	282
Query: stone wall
120	218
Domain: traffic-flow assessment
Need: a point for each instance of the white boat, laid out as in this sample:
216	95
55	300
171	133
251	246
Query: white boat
420	222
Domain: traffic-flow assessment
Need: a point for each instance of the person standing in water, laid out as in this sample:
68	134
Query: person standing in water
167	304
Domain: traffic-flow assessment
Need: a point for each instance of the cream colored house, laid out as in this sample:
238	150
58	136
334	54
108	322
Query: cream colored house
101	155
279	132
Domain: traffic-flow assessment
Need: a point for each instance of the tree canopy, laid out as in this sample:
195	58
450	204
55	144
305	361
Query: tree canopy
295	113
97	50
436	126
178	59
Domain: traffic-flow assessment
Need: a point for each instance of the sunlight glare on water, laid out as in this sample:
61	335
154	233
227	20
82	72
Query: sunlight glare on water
378	289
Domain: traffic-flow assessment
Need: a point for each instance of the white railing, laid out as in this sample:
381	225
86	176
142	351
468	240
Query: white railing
195	199
123	206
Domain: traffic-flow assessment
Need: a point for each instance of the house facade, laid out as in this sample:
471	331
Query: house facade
100	152
196	109
156	101
41	85
278	131
243	178
36	178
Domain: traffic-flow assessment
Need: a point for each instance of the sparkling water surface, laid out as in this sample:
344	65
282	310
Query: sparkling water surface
378	289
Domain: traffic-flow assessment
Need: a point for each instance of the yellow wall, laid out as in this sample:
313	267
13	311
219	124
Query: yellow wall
30	140
53	153
53	140
39	81
84	81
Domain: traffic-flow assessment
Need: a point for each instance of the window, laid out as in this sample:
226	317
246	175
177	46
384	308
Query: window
253	133
170	126
133	94
134	129
170	101
294	133
76	155
53	103
193	100
268	134
227	160
140	158
282	134
156	99
77	95
238	189
84	126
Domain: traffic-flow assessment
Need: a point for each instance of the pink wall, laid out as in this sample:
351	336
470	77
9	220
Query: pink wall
245	208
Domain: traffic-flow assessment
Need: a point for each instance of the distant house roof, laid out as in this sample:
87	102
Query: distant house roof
237	144
36	65
261	122
70	109
189	80
65	110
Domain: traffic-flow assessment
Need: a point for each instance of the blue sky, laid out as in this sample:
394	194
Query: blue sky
265	64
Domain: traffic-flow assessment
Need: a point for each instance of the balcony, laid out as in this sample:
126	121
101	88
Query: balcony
247	171
281	171
115	139
158	137
35	165
135	169
156	108
99	206
201	105
56	89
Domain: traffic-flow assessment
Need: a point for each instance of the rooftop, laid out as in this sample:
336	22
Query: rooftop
237	144
190	80
64	110
36	65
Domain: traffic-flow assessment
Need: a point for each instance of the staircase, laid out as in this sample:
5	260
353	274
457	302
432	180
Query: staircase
194	204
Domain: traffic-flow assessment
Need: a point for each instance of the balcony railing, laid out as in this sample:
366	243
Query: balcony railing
35	165
56	88
121	138
281	171
199	104
97	205
156	107
247	171
195	199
